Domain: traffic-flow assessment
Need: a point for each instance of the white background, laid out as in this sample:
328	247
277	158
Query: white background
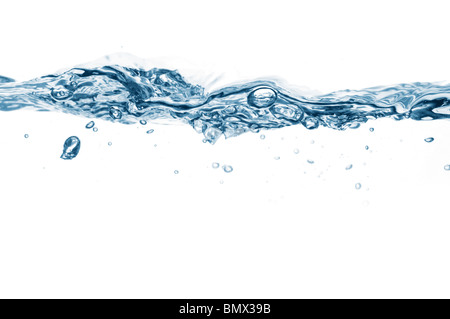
117	222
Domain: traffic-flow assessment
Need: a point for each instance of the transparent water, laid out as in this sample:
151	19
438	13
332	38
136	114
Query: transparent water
130	95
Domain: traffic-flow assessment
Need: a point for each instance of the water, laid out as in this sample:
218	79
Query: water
349	167
71	148
358	185
130	95
26	136
429	139
215	165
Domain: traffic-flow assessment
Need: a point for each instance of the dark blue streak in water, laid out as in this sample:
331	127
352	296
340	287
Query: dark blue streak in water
128	95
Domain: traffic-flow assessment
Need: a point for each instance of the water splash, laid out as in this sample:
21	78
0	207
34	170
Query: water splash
130	95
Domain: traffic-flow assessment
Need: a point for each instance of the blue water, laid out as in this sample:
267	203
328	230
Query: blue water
128	95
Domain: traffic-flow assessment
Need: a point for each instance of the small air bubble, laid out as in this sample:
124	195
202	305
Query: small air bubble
366	147
109	143
227	168
175	172
349	167
115	113
26	136
358	185
371	129
143	122
215	165
95	129
90	125
262	136
150	131
447	167
310	161
429	139
296	151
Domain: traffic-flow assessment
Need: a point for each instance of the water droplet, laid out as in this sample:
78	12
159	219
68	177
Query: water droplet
26	136
176	172
150	131
371	129
109	143
447	167
429	139
115	113
215	165
71	148
95	129
143	122
296	151
60	93
262	97
227	168
262	136
349	167
310	161
90	125
366	147
358	185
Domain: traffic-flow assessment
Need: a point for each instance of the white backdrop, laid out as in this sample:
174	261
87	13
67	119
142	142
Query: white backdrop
117	222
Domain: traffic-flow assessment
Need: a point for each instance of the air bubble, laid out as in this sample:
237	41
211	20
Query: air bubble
262	136
60	93
143	122
175	172
296	151
429	139
311	123
371	129
150	131
447	167
26	136
349	167
262	97
215	165
71	148
95	129
227	168
90	125
358	185
115	113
